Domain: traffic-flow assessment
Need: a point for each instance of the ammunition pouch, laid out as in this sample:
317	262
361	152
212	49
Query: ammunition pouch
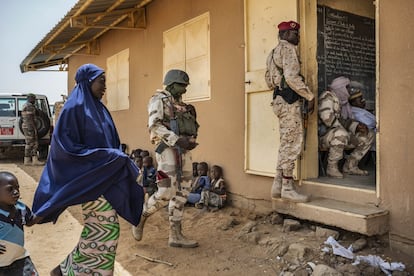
186	123
183	123
161	147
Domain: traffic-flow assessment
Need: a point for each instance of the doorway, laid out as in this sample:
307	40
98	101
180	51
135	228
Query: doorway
346	46
261	136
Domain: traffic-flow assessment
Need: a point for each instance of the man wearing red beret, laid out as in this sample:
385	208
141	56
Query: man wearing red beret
283	77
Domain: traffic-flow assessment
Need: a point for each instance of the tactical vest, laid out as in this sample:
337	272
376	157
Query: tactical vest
187	122
184	120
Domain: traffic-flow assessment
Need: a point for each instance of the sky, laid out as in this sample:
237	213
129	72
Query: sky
23	24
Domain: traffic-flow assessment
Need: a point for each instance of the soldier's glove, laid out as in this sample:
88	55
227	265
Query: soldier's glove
186	143
362	128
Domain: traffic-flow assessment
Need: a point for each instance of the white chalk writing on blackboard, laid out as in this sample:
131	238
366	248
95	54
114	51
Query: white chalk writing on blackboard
346	46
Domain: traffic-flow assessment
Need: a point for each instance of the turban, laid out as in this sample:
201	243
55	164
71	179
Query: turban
338	86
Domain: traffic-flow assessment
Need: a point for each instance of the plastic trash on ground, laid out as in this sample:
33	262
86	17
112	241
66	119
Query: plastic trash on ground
339	249
372	260
377	261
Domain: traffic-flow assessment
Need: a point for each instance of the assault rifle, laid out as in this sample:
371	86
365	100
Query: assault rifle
305	117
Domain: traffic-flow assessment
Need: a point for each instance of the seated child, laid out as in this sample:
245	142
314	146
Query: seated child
144	153
124	148
195	172
201	183
139	163
149	175
135	153
217	195
14	214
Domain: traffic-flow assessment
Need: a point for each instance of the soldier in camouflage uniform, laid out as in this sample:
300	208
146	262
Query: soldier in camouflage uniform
173	129
339	130
30	132
58	107
283	76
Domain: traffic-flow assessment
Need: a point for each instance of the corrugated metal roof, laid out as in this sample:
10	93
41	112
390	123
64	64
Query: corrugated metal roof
79	30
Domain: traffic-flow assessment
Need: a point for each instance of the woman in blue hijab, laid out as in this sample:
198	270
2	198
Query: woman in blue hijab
86	166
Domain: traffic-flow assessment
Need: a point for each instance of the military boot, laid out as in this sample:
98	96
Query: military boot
277	184
138	231
27	161
289	193
177	239
332	170
351	167
36	162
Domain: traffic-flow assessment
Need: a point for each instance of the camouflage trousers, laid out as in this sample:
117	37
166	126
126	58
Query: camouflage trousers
337	139
32	144
291	134
173	194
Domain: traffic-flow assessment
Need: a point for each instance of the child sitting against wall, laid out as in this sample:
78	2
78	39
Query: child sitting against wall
135	153
138	161
149	175
217	195
201	183
144	153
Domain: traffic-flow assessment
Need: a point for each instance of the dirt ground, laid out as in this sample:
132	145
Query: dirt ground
232	242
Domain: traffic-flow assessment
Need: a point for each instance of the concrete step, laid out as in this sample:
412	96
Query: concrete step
332	188
360	218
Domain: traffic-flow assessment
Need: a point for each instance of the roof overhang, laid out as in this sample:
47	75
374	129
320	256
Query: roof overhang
79	31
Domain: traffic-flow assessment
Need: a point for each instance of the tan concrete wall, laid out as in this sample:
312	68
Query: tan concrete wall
396	104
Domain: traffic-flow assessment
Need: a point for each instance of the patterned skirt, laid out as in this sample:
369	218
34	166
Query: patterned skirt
95	252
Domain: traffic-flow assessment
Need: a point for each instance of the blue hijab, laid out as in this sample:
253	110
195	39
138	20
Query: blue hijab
85	160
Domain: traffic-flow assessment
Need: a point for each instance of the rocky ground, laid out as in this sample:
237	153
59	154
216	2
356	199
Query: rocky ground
234	242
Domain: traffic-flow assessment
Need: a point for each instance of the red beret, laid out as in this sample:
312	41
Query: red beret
291	25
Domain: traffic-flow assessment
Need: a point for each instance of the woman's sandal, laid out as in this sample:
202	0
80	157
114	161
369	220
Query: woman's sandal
56	271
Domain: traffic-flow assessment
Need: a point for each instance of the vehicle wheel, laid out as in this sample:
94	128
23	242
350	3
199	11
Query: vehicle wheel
43	151
42	124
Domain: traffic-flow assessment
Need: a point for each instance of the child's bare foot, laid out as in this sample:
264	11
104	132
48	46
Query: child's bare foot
56	271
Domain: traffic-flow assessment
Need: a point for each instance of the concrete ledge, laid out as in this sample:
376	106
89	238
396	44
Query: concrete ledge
250	204
338	192
353	217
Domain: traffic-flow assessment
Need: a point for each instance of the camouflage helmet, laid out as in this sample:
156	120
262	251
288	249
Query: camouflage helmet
176	76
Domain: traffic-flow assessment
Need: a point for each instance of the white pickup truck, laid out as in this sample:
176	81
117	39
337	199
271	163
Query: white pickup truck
11	133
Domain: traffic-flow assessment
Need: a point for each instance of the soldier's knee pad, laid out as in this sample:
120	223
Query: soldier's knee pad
165	193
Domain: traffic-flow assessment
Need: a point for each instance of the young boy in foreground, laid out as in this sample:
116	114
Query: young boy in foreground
14	214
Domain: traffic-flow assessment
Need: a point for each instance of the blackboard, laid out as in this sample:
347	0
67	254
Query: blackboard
346	47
